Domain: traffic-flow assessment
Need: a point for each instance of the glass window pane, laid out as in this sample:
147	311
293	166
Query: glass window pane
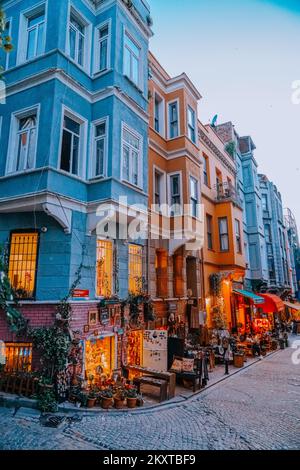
77	25
103	55
127	62
175	185
99	157
80	49
135	69
131	139
31	149
100	129
72	42
40	41
22	149
103	32
132	46
66	151
135	167
75	155
31	43
71	125
126	162
36	19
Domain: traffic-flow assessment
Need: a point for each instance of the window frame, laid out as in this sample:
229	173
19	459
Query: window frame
191	199
209	234
136	245
82	143
104	120
97	48
161	114
189	127
25	15
206	172
11	159
169	104
20	232
138	84
126	127
112	267
87	54
162	174
9	30
170	176
238	236
226	234
29	29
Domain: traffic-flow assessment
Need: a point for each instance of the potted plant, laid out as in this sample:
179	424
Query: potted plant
82	398
119	399
91	399
106	399
131	397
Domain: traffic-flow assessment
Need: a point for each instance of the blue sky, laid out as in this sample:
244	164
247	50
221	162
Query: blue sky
243	56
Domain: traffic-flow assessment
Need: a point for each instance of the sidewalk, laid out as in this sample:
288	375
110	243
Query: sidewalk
151	403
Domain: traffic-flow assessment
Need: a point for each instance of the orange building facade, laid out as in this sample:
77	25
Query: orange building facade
175	279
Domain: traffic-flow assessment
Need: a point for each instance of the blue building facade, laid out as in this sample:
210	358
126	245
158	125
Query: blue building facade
74	133
276	240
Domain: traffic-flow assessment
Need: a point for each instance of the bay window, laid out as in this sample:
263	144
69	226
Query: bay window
103	33
194	196
76	40
175	194
191	124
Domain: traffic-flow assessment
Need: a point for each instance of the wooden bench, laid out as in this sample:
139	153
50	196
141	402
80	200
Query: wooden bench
169	377
160	383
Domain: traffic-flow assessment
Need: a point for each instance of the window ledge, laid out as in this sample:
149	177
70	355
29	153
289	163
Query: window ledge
137	87
101	73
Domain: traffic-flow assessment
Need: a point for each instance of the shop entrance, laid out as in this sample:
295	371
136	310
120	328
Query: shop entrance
99	357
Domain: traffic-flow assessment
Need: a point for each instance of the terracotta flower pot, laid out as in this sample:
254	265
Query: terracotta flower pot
106	403
118	403
131	402
91	402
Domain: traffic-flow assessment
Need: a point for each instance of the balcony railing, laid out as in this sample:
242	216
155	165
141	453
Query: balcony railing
227	192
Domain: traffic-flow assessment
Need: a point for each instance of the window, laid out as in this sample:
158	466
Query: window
205	170
238	236
76	40
173	120
35	35
131	59
265	202
23	263
161	267
100	142
191	125
3	55
194	196
132	155
157	188
223	234
135	268
70	149
18	357
209	231
104	268
103	47
268	234
175	194
26	142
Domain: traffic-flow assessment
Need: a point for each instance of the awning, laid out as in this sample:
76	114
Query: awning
292	306
273	303
250	295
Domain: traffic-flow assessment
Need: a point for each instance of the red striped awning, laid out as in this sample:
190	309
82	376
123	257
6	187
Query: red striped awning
273	303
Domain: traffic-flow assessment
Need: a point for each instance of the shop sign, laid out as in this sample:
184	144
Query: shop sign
104	316
81	294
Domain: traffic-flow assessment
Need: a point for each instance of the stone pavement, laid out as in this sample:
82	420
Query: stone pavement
257	408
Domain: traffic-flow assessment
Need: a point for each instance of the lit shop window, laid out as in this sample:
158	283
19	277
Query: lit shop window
18	357
99	357
135	268
23	263
104	268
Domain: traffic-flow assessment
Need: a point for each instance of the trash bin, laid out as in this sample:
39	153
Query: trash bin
238	360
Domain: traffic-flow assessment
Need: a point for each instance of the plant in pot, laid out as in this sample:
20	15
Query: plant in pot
131	396
119	398
91	399
106	399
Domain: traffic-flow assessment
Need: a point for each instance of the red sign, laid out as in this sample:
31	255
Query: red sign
81	293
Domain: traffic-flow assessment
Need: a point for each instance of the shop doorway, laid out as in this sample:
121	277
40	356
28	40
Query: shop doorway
99	357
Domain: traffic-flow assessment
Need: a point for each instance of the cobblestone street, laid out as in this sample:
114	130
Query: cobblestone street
258	408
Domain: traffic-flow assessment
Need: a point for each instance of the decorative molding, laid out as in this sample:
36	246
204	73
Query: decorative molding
217	152
61	214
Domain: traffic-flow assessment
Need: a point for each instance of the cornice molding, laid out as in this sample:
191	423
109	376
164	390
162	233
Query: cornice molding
217	152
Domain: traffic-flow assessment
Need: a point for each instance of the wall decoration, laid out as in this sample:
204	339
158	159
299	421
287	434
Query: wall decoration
93	316
86	328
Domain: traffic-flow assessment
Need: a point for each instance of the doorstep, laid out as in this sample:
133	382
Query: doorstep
12	401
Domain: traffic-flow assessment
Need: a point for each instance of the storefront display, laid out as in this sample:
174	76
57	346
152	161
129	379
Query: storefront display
99	357
156	349
135	348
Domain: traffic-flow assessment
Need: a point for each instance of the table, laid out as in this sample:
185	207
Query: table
170	377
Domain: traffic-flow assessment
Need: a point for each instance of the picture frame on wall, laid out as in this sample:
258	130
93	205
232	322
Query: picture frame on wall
93	317
86	328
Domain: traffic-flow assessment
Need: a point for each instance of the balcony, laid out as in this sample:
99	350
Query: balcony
227	192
